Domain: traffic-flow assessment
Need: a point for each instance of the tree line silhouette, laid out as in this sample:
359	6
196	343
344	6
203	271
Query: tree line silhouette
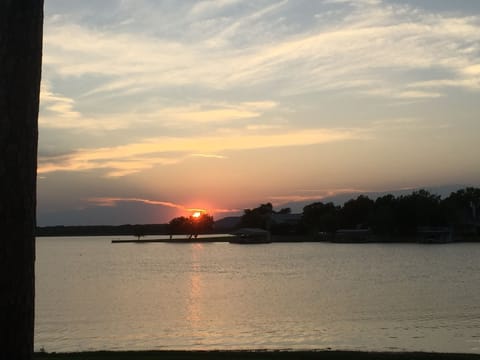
388	215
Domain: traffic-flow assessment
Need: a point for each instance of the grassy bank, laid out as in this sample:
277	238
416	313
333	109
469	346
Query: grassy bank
253	355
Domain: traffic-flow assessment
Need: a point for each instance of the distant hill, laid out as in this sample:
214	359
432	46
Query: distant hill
226	223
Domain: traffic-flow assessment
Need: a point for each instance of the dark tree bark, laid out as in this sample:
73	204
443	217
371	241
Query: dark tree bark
21	23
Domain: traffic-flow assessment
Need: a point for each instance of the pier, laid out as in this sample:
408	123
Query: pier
186	240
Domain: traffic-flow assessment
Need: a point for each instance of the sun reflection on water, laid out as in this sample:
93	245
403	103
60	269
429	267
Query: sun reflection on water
194	314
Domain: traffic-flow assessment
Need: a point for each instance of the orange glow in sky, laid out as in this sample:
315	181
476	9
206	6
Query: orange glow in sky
212	122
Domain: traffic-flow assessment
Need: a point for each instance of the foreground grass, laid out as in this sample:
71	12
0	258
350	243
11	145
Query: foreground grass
253	355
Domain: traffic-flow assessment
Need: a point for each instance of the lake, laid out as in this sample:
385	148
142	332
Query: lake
94	295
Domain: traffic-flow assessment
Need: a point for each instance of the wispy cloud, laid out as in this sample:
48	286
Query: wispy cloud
210	7
131	158
213	113
368	45
114	201
471	83
354	2
58	112
408	121
58	107
211	156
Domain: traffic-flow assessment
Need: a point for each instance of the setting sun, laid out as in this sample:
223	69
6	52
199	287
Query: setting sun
197	214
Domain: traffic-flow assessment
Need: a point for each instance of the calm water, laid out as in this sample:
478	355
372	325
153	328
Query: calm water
95	295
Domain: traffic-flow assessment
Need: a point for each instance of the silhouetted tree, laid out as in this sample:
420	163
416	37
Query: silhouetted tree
320	217
139	231
21	23
356	213
421	208
462	210
258	217
192	226
180	225
383	220
202	224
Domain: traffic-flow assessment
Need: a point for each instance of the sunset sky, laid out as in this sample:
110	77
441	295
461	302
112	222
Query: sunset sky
151	108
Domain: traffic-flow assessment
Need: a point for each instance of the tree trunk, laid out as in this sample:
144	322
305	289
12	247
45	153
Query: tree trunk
21	23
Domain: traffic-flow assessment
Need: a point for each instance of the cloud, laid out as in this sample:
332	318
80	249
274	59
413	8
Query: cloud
369	51
263	127
58	112
59	107
206	113
246	25
211	156
113	201
131	158
211	6
366	46
214	112
354	2
408	121
472	70
419	95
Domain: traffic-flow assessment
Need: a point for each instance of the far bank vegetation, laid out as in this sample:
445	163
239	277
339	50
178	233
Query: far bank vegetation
386	218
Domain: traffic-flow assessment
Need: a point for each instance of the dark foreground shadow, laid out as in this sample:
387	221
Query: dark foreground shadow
254	355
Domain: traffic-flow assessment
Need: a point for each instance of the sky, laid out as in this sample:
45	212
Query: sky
149	109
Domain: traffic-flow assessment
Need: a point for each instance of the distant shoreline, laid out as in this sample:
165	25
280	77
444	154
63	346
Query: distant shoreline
149	237
174	240
153	231
255	355
206	238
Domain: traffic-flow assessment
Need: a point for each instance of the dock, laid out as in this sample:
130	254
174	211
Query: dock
176	241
